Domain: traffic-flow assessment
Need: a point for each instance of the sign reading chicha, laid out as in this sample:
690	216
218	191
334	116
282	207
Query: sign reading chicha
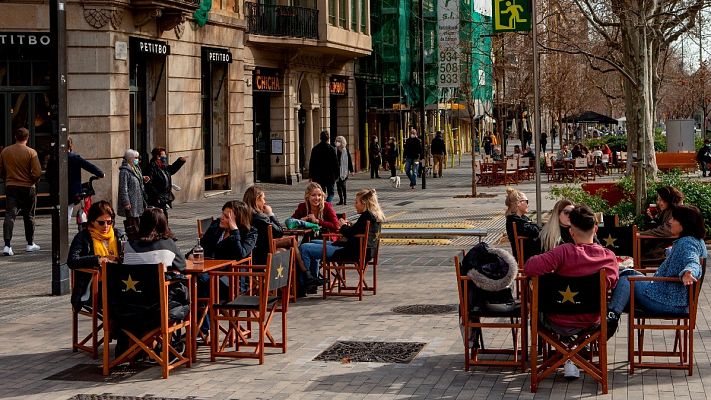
267	80
338	86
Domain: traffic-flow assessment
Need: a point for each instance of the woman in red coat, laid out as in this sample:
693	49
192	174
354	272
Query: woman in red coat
314	209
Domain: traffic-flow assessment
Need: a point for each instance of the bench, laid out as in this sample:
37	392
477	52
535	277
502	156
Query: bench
683	161
431	233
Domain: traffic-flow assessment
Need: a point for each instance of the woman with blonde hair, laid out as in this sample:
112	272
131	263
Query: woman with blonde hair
345	165
556	232
316	210
516	218
348	248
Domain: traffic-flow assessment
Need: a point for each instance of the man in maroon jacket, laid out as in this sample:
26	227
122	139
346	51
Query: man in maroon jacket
585	257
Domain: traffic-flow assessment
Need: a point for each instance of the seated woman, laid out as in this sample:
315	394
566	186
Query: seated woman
516	209
556	231
155	243
314	209
97	243
686	223
668	197
232	237
262	218
366	204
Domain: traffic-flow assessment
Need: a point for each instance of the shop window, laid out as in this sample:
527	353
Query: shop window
332	12
354	15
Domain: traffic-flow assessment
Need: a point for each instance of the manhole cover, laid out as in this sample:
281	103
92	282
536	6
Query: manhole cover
93	373
424	309
108	396
384	352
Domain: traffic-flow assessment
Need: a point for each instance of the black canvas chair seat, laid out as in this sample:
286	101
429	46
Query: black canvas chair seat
246	303
484	312
641	313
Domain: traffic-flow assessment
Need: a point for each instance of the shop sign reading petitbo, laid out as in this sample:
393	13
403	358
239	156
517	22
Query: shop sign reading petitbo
147	46
218	56
267	80
338	86
27	39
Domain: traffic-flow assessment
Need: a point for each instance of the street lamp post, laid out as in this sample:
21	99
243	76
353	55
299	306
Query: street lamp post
422	93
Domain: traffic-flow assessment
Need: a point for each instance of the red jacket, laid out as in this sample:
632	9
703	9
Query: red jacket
575	260
329	221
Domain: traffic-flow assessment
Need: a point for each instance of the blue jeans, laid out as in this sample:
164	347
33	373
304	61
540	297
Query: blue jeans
621	297
411	170
330	191
312	252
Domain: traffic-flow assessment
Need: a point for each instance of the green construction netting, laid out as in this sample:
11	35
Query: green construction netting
200	14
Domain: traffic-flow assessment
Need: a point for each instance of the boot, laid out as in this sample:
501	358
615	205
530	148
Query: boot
309	280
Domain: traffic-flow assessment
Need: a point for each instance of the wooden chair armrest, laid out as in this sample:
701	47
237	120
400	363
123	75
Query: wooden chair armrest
237	273
88	270
655	278
246	260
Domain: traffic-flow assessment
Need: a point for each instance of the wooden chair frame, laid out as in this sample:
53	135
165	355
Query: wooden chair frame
261	313
683	328
145	343
201	225
518	323
509	172
334	272
273	245
569	351
94	314
646	266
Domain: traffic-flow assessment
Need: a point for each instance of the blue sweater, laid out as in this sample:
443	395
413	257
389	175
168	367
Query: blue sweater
684	256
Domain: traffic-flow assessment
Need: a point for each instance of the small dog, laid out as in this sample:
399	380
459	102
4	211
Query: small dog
395	181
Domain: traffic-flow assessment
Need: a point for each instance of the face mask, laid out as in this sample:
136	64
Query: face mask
135	161
164	160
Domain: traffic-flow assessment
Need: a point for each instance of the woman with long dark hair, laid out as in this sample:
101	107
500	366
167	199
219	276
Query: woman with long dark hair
155	243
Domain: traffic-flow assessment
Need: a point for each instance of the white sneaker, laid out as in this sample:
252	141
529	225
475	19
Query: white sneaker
570	371
7	251
32	247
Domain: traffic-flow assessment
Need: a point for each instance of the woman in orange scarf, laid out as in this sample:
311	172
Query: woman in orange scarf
98	242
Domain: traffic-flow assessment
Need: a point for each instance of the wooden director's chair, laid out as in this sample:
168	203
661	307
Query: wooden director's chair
91	341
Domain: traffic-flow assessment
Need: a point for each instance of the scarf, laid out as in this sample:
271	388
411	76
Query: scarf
104	244
343	164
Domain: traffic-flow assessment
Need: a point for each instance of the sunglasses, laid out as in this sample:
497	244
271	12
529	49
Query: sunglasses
566	212
524	201
104	222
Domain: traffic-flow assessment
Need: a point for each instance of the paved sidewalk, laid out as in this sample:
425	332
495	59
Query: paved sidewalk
35	328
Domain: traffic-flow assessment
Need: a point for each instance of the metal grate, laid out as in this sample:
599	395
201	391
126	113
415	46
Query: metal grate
109	396
425	309
383	352
93	373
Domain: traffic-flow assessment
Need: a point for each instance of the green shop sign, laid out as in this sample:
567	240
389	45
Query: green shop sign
511	15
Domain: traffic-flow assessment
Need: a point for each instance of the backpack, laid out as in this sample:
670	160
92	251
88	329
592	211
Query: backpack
493	272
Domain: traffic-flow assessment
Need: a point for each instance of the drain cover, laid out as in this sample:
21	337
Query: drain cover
384	352
93	373
403	203
424	309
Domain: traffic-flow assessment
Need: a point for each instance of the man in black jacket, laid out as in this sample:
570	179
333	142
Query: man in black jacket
323	166
704	156
412	153
75	164
439	151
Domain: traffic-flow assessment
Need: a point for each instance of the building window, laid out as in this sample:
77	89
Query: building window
364	15
332	12
354	15
303	3
342	7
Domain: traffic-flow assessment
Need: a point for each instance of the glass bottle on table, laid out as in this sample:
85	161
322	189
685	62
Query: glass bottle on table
198	255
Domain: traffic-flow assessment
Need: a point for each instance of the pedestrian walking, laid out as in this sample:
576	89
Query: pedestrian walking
439	152
704	156
323	166
391	153
544	141
131	192
412	153
159	189
20	170
76	163
345	165
374	157
554	133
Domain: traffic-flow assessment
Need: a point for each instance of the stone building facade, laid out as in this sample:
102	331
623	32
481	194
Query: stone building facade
243	97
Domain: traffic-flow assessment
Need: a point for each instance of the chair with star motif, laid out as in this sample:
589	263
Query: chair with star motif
139	313
267	296
552	294
619	239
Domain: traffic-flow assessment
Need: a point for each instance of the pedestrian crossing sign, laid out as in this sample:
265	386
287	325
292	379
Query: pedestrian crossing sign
511	15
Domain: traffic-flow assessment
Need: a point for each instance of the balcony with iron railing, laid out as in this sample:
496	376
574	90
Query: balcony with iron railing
281	21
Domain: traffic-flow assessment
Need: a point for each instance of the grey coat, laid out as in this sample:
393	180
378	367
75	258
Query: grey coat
130	192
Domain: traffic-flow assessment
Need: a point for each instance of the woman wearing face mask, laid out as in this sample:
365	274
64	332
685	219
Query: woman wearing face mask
159	189
131	194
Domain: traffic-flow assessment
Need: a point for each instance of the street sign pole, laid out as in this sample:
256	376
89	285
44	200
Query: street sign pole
536	109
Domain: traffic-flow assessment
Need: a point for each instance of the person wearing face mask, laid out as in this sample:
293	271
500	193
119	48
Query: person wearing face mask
159	190
131	194
345	165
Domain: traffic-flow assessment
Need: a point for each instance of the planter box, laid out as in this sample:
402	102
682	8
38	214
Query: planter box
609	191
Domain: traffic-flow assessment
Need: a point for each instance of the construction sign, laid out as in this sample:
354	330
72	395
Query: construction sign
511	15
